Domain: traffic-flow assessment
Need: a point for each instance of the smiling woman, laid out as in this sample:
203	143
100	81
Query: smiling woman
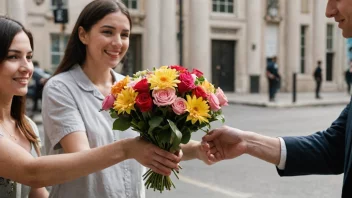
22	172
72	99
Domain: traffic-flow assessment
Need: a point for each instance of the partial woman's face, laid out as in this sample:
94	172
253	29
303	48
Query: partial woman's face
108	40
17	68
341	11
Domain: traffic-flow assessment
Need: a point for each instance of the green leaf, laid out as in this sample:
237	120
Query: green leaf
164	136
121	124
186	136
153	123
113	114
221	118
176	136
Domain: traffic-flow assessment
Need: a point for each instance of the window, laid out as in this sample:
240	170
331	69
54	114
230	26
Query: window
329	37
58	45
303	48
131	4
273	8
223	6
57	3
305	6
329	52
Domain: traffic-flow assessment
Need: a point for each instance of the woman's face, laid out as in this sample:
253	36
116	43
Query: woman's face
108	40
17	68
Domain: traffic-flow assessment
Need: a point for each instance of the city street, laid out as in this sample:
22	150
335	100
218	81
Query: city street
247	177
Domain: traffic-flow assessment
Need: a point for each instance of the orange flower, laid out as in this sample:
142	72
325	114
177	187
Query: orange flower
119	86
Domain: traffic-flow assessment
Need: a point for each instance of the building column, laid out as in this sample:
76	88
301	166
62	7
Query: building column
16	9
254	44
319	34
199	42
292	48
152	35
168	48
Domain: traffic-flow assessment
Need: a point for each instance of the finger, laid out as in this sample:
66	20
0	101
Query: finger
213	150
211	144
165	162
218	156
159	171
166	154
179	155
205	146
212	158
212	135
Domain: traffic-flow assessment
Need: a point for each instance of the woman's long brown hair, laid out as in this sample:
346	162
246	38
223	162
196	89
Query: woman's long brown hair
9	28
75	52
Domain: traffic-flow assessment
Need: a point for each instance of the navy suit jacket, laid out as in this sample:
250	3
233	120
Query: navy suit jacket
325	152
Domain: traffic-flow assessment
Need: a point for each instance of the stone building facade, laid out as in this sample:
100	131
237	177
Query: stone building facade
229	40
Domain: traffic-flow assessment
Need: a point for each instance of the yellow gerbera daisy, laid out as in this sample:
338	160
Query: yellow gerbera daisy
119	86
208	87
125	101
198	109
163	78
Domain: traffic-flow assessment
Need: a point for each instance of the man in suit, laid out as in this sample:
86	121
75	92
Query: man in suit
325	152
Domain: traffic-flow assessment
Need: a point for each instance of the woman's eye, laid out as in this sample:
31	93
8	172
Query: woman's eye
29	57
107	32
12	57
125	35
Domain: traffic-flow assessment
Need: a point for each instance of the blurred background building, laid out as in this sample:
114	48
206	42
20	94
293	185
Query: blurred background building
229	40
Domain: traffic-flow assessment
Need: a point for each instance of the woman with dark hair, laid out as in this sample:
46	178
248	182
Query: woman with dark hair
72	99
19	139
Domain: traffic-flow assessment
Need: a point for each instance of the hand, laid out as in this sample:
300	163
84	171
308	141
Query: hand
153	157
224	143
202	153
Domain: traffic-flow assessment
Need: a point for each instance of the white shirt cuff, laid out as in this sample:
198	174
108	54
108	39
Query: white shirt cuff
283	155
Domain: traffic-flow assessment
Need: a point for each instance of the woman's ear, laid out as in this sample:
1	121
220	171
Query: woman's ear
83	36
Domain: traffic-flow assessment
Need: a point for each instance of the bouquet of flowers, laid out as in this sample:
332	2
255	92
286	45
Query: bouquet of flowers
165	106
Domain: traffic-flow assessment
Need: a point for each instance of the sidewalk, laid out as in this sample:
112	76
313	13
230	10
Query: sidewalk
284	100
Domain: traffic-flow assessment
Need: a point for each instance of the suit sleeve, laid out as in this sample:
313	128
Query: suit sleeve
320	153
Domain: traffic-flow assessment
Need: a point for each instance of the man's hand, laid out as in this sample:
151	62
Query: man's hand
224	143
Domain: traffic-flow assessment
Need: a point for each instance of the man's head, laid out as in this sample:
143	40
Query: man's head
35	63
274	59
319	63
341	11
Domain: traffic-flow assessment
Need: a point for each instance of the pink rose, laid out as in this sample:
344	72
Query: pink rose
214	102
108	102
221	96
194	77
164	97
187	82
179	106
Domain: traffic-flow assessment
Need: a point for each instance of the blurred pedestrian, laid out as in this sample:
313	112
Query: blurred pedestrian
39	77
318	79
273	76
348	77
